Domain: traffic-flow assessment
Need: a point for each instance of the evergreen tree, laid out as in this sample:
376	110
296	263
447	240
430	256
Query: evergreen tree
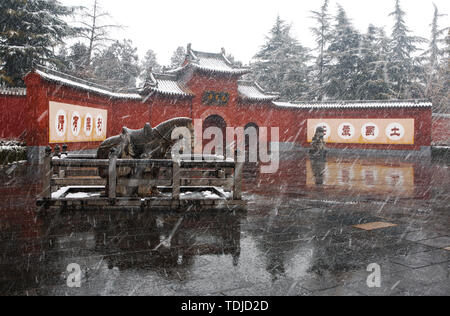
440	94
74	61
322	36
434	54
404	67
446	77
118	66
281	64
178	57
95	30
374	84
149	64
344	76
29	32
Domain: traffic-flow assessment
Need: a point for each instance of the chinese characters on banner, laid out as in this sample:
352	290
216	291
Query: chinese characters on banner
73	123
364	131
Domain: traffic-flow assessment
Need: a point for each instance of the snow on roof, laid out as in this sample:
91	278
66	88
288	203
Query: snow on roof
251	91
211	62
216	63
67	80
356	104
168	85
13	91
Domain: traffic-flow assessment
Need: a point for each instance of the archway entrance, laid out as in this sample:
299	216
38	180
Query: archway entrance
215	121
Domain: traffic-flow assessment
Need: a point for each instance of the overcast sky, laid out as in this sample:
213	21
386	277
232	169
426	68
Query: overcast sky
240	26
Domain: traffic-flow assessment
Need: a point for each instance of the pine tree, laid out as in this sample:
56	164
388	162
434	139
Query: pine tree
281	64
404	67
343	78
149	64
118	66
74	61
440	94
446	76
95	30
434	55
322	36
29	32
374	84
178	57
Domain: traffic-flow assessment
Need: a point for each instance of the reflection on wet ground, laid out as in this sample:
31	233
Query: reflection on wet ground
297	237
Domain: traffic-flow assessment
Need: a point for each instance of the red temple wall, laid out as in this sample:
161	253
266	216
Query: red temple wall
31	113
71	96
422	117
13	110
127	113
441	129
165	108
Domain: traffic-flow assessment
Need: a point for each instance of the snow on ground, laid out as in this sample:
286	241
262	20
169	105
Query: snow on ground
199	195
11	148
81	195
205	157
77	195
222	191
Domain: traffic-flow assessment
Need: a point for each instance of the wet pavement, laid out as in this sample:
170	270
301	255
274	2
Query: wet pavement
298	236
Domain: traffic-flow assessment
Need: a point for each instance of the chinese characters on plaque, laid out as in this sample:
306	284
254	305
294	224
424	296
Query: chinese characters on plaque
73	123
364	131
215	98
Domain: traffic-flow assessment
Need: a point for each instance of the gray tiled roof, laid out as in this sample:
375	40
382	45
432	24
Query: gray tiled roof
251	91
70	81
169	85
13	91
211	62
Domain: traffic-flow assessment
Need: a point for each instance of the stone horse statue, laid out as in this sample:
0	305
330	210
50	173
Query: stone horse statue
146	143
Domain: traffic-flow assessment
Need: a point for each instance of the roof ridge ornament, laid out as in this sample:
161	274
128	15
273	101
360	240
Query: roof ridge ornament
190	53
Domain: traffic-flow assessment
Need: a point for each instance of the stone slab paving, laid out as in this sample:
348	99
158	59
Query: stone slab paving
438	242
298	245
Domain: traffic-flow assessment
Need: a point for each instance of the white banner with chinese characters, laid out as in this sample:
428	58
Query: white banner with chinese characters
72	123
364	131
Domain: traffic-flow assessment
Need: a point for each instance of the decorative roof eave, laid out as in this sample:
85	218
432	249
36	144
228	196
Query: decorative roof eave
178	70
17	92
252	99
153	91
261	94
215	63
356	104
172	94
83	85
167	85
235	72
